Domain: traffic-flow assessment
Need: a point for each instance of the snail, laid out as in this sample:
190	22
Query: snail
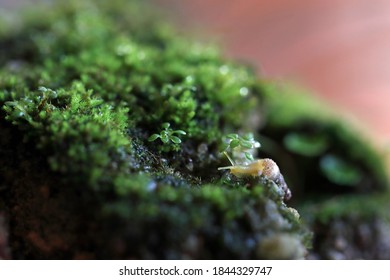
266	167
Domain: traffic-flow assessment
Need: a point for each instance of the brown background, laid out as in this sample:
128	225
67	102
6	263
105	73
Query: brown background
338	49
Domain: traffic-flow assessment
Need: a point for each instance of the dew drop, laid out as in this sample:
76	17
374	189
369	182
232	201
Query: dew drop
244	91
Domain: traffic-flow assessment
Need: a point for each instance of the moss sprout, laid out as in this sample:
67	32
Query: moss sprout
241	147
169	137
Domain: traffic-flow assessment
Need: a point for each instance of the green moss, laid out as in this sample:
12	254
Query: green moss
79	134
339	172
84	87
308	139
349	227
169	137
311	145
364	206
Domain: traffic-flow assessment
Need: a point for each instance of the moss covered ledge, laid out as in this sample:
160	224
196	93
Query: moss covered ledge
79	102
112	127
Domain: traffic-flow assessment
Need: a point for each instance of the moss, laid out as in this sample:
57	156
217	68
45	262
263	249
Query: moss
85	96
83	88
364	206
78	133
339	181
334	157
350	227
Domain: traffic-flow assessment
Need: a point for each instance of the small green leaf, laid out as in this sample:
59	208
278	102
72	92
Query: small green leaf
166	125
248	156
339	171
248	137
246	144
180	132
234	144
42	89
232	136
306	145
153	137
164	138
175	140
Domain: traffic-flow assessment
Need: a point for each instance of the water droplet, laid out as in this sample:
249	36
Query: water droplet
244	91
151	186
123	50
189	79
224	69
190	165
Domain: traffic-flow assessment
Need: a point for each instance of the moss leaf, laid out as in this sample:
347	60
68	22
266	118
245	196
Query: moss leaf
153	137
339	171
175	139
306	145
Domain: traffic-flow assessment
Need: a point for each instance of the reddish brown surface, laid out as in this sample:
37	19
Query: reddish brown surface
340	49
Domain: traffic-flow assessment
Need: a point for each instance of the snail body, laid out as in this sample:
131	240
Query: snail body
266	167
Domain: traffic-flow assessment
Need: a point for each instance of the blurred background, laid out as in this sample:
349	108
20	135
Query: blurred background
338	50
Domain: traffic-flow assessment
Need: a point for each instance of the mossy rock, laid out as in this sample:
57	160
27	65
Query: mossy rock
83	88
339	181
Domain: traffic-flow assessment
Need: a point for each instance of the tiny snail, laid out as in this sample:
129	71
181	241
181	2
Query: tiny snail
266	167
